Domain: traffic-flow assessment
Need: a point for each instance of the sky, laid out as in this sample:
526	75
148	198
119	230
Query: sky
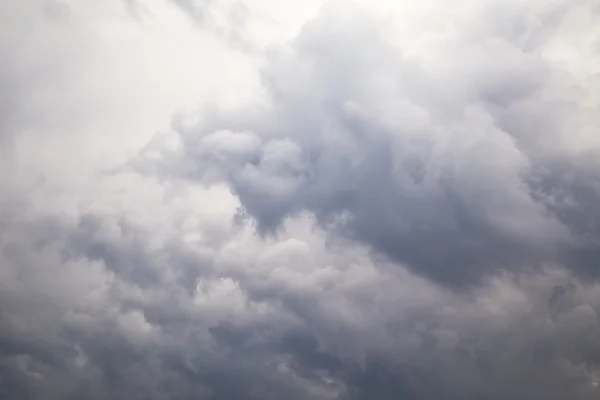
303	200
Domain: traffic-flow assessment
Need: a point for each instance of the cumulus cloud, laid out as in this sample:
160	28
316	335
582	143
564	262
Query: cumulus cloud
451	157
350	200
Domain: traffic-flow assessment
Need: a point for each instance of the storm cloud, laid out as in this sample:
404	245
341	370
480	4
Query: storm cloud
343	200
454	158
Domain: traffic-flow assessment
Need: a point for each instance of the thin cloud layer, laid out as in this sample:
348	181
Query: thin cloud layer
369	200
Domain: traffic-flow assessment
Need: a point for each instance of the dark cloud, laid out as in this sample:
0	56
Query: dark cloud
80	327
449	167
423	181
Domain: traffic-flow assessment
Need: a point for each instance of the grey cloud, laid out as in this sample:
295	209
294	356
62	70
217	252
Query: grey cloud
298	318
433	163
78	324
383	179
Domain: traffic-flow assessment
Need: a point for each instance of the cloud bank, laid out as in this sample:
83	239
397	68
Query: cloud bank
343	200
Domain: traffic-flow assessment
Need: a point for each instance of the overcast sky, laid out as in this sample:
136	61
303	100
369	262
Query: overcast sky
303	200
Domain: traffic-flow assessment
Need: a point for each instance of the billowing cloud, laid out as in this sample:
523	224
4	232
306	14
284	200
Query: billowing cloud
351	200
452	157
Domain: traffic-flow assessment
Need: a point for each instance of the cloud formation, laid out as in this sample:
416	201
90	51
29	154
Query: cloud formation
444	156
367	200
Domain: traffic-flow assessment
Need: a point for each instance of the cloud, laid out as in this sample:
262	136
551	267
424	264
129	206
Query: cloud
441	157
292	317
378	201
